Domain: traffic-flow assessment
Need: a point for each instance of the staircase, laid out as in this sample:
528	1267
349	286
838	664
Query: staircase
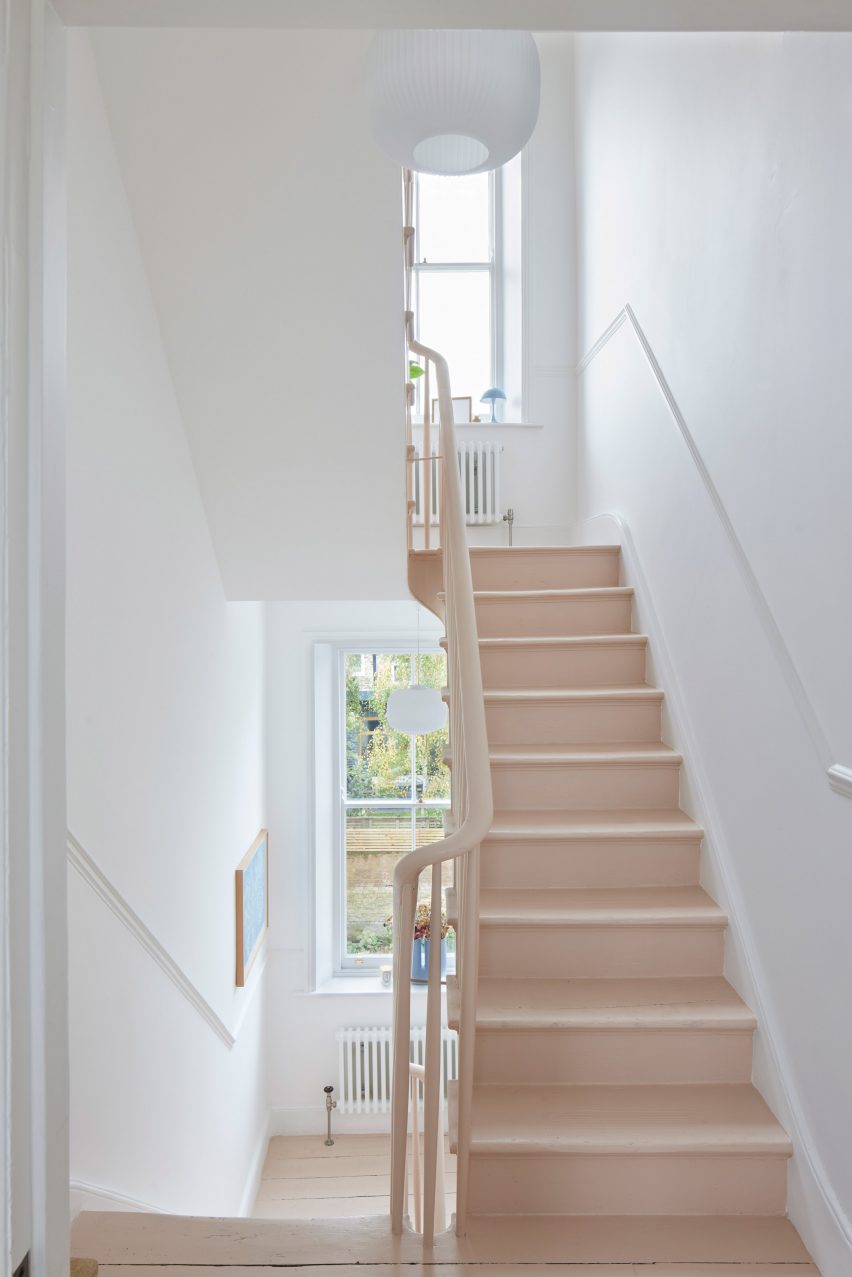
612	1071
613	1120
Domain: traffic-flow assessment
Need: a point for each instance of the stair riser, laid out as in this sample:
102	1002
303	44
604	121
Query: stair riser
625	1184
546	618
607	1057
593	864
566	723
595	952
543	571
581	787
616	666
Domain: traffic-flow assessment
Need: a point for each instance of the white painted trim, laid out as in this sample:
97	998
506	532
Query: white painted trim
8	367
531	15
706	813
112	1201
840	780
255	1173
839	777
89	871
526	291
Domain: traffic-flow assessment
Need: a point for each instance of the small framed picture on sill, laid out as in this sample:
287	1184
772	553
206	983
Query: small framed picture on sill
462	409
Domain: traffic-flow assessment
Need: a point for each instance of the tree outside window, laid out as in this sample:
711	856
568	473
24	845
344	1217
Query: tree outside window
396	791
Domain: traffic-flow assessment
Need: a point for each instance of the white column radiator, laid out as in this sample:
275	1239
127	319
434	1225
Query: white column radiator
479	470
364	1079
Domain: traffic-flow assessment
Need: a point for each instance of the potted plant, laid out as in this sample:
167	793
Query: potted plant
422	938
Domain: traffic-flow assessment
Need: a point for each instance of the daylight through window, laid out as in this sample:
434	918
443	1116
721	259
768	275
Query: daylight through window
394	794
455	279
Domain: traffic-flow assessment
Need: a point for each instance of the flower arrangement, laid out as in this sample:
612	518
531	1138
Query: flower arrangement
423	922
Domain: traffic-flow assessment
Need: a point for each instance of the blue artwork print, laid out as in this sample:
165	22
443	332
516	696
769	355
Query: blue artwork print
254	902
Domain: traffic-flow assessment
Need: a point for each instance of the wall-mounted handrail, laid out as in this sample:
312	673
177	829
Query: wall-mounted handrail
467	822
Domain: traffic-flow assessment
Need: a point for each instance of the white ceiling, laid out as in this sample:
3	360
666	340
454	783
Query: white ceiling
269	226
532	15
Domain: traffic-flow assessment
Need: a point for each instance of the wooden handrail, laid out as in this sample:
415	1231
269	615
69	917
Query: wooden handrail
469	818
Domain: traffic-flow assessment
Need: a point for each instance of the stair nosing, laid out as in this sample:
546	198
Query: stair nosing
560	640
638	694
662	757
732	1015
565	908
655	1138
593	592
572	833
578	550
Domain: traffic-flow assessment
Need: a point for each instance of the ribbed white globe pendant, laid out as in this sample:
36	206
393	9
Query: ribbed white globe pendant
453	102
416	710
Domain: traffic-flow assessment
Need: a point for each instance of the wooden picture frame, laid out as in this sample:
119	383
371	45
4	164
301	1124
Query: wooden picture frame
252	904
462	409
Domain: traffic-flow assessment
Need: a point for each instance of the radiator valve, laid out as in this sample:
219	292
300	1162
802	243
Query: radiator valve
329	1105
509	517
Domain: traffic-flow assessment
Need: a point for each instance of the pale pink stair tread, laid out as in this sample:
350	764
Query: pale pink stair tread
729	1118
519	551
678	1002
579	695
632	752
538	641
594	906
667	822
581	592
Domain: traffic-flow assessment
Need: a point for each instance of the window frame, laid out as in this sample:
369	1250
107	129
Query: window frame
493	268
367	964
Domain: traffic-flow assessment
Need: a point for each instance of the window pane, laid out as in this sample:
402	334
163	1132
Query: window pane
378	759
432	776
375	840
455	319
454	218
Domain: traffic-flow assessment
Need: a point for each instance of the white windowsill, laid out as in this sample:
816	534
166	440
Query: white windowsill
478	425
359	986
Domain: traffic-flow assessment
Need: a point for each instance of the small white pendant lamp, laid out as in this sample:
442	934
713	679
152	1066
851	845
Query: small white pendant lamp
453	102
416	710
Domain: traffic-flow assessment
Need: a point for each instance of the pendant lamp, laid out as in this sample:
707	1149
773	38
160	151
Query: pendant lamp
453	102
416	710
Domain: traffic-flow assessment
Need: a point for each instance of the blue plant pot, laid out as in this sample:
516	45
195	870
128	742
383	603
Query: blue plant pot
420	960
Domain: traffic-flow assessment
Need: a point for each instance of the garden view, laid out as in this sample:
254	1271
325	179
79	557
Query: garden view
397	789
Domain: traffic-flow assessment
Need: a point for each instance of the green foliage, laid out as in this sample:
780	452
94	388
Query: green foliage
368	941
379	765
378	759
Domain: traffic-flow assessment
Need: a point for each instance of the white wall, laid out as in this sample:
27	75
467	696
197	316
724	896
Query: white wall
165	737
714	197
33	992
304	1010
270	229
538	461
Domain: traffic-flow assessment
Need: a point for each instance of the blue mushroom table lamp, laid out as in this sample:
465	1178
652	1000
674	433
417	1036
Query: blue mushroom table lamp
491	396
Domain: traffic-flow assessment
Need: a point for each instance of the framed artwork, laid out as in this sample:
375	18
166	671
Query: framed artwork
462	409
252	883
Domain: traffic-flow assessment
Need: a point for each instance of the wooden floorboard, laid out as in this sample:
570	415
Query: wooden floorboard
464	1270
123	1239
305	1179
